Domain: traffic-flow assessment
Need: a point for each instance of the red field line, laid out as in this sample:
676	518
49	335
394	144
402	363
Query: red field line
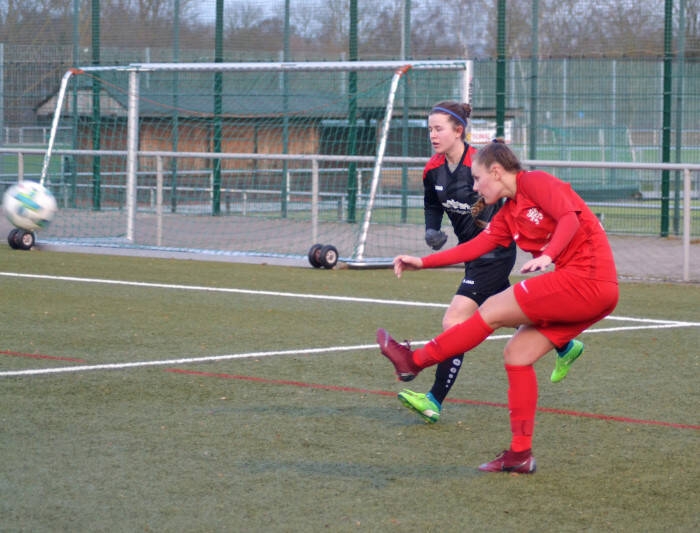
40	356
565	412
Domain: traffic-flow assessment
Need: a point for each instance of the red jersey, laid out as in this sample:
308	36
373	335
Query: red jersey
530	218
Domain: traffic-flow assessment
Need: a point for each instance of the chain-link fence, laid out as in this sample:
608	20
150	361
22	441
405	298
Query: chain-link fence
623	90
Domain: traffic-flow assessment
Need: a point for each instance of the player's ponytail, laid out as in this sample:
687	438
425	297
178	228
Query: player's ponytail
476	210
499	152
467	110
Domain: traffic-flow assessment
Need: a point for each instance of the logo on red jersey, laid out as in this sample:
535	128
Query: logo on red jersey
534	215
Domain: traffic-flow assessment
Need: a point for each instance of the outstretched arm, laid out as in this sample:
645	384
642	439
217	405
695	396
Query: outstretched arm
466	251
406	262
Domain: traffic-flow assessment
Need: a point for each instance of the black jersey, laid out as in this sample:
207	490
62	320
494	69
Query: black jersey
452	193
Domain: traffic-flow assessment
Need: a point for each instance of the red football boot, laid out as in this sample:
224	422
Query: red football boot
401	356
509	461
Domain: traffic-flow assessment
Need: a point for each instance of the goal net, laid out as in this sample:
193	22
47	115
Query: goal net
246	158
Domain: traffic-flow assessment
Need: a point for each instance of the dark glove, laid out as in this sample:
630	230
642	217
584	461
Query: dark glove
435	238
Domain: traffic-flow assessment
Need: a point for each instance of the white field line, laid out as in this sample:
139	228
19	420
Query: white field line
257	355
229	290
651	324
204	288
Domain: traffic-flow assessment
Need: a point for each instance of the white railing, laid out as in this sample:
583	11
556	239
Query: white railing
317	196
30	135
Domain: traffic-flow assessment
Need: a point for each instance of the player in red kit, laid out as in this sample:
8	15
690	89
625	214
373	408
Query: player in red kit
449	191
545	217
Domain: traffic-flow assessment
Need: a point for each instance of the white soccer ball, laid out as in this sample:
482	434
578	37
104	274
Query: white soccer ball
29	205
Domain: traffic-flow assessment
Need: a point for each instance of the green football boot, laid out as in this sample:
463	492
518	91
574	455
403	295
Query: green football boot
424	405
565	358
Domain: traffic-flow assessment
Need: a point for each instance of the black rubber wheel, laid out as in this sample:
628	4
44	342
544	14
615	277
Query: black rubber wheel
329	256
315	255
24	240
11	238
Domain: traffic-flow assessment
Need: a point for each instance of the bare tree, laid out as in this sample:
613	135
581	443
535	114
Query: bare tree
334	17
244	15
464	28
453	29
611	29
692	35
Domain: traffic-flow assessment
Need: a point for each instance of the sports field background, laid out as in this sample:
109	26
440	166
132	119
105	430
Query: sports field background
168	395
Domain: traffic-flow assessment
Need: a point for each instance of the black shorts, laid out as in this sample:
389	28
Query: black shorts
485	278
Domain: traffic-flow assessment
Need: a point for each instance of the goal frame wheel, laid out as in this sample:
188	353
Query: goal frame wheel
314	255
329	256
11	238
24	240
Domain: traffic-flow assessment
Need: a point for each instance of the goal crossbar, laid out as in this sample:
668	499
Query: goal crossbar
286	66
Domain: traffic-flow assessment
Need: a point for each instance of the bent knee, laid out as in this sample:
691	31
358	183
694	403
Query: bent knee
448	322
525	348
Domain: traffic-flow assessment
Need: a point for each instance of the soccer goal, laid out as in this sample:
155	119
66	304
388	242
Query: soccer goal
247	158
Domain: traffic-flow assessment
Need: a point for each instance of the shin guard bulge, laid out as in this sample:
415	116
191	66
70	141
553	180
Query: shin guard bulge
522	404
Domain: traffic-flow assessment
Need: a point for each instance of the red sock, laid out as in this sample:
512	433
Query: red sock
455	341
522	402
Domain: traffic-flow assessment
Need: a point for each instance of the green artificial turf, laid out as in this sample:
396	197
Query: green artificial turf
313	439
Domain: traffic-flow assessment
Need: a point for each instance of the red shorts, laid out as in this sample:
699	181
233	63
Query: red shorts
561	305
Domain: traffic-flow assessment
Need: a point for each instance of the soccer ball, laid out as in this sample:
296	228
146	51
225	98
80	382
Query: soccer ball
29	205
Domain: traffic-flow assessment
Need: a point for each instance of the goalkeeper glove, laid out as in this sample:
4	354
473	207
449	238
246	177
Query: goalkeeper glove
435	238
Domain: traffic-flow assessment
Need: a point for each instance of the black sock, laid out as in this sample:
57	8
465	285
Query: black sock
561	350
445	376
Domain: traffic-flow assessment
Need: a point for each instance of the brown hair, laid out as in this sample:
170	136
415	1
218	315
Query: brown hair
457	113
498	152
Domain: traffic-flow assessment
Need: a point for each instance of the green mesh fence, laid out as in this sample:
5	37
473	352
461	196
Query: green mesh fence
604	110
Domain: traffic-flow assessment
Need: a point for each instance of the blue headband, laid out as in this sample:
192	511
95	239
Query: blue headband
444	110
